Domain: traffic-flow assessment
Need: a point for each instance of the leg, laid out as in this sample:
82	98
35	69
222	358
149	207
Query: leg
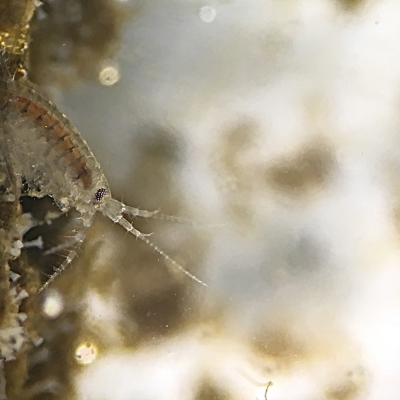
69	243
120	208
7	77
129	228
57	272
75	242
8	181
113	209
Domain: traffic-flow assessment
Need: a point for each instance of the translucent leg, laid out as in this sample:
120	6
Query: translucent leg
113	209
75	243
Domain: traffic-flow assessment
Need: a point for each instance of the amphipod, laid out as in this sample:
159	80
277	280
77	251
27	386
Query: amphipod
50	155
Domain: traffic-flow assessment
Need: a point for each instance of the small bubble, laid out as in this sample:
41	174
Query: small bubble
109	75
53	304
207	13
86	353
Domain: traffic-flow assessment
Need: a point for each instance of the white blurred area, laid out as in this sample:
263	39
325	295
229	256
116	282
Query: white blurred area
286	116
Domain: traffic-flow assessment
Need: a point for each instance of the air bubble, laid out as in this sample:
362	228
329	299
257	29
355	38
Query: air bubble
207	13
86	353
109	75
53	304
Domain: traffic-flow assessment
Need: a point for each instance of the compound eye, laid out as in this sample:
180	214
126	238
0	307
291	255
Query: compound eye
100	194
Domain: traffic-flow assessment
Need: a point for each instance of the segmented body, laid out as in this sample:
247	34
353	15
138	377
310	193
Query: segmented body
46	149
50	155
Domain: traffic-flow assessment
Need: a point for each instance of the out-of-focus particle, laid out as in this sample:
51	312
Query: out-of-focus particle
15	250
35	243
207	13
109	75
37	341
86	353
23	294
53	304
12	276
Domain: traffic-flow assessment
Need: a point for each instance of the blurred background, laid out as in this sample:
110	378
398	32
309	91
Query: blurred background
273	125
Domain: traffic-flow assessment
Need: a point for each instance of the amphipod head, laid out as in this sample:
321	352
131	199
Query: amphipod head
101	194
